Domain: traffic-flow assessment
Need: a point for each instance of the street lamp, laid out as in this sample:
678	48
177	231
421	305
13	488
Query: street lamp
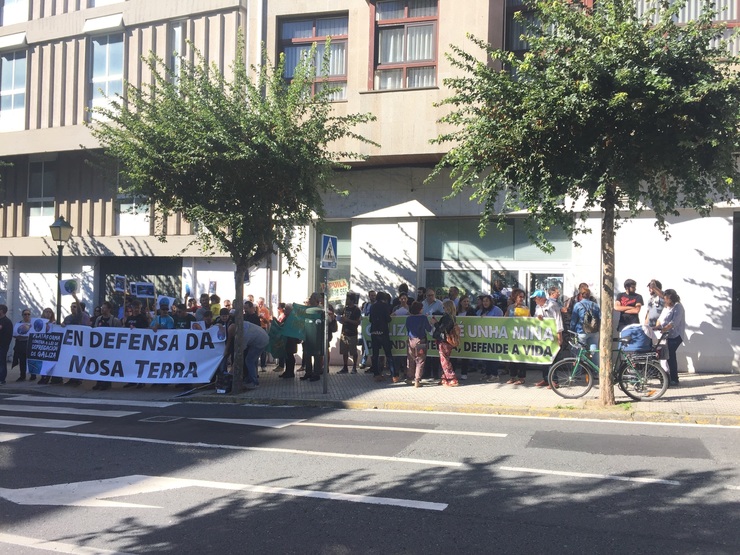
61	231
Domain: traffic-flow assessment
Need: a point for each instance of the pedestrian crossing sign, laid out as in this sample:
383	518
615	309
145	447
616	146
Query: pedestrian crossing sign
328	252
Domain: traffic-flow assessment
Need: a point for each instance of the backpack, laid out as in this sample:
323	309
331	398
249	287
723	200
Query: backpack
590	322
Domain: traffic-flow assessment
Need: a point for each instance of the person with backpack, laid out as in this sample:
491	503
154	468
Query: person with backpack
586	320
447	334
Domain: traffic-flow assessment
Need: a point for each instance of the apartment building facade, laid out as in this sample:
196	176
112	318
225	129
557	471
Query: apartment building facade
387	58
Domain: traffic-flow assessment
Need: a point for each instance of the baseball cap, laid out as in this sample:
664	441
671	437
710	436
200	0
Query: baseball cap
538	294
164	302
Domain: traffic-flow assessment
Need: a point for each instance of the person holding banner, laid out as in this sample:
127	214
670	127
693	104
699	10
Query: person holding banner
48	315
137	320
464	309
488	308
106	320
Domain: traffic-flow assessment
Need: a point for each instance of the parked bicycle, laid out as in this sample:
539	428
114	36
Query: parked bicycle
638	374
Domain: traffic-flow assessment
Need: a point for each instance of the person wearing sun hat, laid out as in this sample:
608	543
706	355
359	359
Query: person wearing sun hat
544	308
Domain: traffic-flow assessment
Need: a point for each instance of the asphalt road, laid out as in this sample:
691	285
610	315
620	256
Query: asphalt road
195	478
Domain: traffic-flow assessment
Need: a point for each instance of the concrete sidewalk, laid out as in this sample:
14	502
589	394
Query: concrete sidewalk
700	399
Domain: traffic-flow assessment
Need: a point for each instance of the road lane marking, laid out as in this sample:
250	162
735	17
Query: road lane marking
94	493
400	429
90	401
7	436
276	423
67	410
558	418
56	547
590	475
280	423
39	422
403	460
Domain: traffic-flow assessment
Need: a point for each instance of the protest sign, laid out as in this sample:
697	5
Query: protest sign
69	286
119	284
127	355
527	340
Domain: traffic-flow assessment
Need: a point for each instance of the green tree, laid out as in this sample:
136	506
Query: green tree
246	158
608	110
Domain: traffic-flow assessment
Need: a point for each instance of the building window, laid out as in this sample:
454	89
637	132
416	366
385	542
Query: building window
405	44
133	216
106	75
13	91
13	11
175	48
298	36
42	185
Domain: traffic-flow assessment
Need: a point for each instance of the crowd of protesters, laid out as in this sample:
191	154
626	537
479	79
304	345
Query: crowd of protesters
425	315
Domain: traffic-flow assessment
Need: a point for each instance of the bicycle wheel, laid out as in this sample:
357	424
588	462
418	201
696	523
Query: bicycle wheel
642	381
570	378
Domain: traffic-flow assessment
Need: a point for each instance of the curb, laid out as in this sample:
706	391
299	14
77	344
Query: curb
592	412
601	413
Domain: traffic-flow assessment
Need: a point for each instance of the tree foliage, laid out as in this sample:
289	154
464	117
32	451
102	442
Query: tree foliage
608	110
246	158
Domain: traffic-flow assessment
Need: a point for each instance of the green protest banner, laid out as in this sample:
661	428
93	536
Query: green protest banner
483	338
277	340
295	324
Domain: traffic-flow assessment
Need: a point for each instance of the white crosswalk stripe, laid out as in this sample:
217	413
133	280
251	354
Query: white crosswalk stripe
89	401
40	422
11	424
69	411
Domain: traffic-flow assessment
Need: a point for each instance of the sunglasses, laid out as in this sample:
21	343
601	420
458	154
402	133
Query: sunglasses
26	314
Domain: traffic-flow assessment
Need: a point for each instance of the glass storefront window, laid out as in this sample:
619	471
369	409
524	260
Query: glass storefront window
468	281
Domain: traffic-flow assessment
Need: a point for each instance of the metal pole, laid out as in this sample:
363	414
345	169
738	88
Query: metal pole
326	332
59	282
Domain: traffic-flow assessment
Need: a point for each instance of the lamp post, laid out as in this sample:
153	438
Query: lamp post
61	231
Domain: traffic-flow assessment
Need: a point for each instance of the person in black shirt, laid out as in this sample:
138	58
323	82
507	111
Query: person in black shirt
350	320
182	318
136	320
380	317
250	314
6	336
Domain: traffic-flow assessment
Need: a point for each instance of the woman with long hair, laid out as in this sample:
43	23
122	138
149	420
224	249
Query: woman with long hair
444	325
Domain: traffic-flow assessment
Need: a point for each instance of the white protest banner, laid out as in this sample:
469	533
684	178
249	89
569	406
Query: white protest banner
127	355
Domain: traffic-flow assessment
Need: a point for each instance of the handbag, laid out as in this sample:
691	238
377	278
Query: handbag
453	336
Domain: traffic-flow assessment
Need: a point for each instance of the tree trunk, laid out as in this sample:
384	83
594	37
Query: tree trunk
607	297
238	367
